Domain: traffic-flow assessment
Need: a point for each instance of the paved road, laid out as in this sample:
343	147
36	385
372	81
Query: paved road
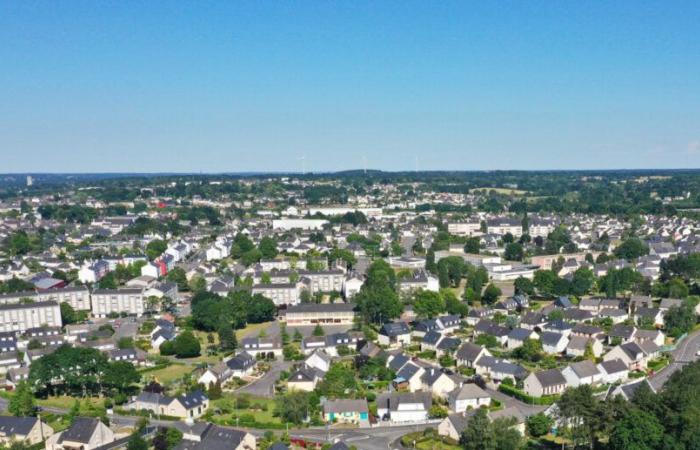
264	387
685	352
379	438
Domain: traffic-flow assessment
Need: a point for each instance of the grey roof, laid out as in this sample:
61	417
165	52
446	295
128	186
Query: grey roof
449	343
622	331
469	351
459	422
303	375
629	389
614	366
215	437
398	361
519	334
242	361
192	399
10	425
394	329
468	391
392	400
81	430
432	337
551	338
408	371
584	369
551	377
345	405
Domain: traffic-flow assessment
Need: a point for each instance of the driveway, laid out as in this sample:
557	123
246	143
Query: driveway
265	386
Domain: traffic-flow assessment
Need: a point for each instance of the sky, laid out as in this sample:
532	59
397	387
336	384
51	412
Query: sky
235	86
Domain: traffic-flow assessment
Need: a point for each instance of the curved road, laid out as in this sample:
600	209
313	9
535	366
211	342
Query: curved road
685	353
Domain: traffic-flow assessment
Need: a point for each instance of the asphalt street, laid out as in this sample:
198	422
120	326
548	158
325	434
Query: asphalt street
685	353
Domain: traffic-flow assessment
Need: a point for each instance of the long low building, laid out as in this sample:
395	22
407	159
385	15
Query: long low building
319	313
23	316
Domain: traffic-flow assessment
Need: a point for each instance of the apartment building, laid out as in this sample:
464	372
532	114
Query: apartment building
23	316
325	280
467	228
77	297
280	293
125	300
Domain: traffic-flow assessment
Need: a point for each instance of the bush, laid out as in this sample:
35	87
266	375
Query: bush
520	395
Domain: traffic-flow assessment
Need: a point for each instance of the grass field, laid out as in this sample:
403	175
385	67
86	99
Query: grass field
252	330
228	408
66	402
168	374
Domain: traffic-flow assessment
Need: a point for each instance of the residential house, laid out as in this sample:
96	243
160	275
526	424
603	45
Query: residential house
613	371
404	407
348	411
469	396
583	372
545	382
394	334
30	430
86	433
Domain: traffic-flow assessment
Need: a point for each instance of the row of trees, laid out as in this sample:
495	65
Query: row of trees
79	371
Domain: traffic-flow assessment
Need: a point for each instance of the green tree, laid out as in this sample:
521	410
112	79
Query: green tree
428	304
68	315
478	434
531	350
166	438
178	276
119	375
227	338
186	345
155	248
544	282
136	442
539	424
524	286
514	252
452	304
679	320
22	404
318	330
294	407
472	245
631	248
241	244
582	281
638	430
268	247
339	382
491	294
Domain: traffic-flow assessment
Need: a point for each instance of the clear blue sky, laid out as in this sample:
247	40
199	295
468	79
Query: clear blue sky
239	86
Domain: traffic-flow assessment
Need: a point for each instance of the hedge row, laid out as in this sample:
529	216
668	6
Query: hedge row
523	397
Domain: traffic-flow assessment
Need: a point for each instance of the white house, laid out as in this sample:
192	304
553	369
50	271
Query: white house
469	396
404	407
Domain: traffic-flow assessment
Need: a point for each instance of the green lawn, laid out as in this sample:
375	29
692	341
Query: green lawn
67	402
168	374
252	330
227	408
435	442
